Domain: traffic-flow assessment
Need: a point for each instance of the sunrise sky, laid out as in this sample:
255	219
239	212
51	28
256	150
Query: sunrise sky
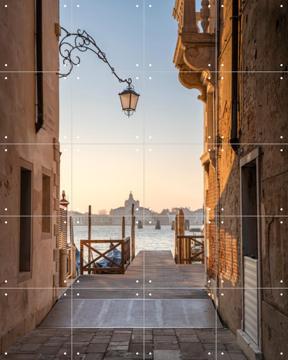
155	153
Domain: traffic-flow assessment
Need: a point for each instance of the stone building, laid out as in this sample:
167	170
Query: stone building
234	52
142	214
29	157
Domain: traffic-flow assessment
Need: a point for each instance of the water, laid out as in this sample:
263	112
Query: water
146	239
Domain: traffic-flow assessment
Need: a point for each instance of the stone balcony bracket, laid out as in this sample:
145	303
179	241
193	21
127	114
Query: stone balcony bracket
195	49
209	157
208	80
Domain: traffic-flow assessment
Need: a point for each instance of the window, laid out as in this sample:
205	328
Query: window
39	120
46	204
25	220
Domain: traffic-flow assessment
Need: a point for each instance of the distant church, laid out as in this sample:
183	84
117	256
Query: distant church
142	214
130	201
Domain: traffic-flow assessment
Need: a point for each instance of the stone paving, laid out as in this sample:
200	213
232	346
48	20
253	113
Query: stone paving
115	344
153	277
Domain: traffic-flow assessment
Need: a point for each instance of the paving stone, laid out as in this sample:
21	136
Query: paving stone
185	332
188	338
203	356
80	348
236	356
206	337
225	336
27	356
232	347
140	348
121	337
30	348
118	345
166	338
192	348
56	343
212	346
100	339
94	356
104	332
167	355
138	339
116	355
83	337
49	349
124	342
95	348
163	332
223	355
165	346
37	339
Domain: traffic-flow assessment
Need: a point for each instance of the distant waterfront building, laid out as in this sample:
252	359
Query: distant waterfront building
29	172
142	214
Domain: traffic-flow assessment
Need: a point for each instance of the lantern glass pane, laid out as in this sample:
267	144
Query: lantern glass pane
134	101
125	101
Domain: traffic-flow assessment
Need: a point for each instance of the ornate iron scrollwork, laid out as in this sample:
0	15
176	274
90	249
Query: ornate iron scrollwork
81	41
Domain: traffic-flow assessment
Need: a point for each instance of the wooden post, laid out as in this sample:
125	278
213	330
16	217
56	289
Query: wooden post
81	258
122	256
89	237
181	232
89	222
133	222
123	227
176	255
71	230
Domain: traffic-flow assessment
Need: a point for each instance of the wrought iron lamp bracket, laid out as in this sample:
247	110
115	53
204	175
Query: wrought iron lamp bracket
73	43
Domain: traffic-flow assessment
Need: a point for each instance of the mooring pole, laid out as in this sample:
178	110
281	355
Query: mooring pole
181	232
123	227
176	255
133	222
89	237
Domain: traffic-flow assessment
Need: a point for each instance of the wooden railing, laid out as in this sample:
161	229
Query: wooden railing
191	249
91	252
188	248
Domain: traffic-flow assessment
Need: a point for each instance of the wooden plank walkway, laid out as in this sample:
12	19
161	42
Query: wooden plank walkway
154	293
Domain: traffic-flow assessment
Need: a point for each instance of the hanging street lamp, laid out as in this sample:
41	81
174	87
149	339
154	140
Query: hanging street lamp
129	99
72	44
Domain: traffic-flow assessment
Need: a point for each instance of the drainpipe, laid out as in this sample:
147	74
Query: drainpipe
234	140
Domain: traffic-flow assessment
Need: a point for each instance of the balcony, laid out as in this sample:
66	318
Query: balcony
195	50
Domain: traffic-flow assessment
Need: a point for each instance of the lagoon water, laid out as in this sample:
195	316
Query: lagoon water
146	239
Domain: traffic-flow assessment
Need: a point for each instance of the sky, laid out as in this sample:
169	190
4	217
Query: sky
156	152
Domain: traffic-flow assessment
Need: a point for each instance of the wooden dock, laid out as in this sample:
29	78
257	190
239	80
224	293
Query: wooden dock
154	292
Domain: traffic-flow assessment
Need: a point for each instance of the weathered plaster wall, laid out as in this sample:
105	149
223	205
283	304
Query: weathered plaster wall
23	308
265	122
263	110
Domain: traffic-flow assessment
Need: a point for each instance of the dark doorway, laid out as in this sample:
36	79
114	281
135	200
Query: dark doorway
250	261
249	210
